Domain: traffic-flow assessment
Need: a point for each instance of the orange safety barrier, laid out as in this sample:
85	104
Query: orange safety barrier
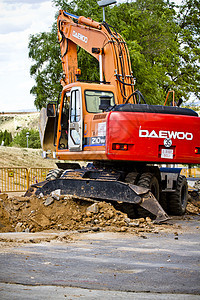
193	172
18	179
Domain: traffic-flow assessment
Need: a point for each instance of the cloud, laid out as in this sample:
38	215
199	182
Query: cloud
18	20
23	1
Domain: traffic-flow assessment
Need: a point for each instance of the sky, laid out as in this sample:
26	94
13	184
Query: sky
19	19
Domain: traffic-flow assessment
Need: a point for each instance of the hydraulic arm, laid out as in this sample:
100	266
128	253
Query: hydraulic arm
106	45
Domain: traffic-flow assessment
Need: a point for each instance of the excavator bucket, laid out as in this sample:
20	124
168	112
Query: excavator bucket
46	130
103	190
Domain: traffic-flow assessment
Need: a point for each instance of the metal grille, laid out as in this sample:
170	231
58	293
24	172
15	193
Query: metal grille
37	174
19	179
14	179
193	172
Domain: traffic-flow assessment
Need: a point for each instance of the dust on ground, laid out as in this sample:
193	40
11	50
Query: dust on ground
69	214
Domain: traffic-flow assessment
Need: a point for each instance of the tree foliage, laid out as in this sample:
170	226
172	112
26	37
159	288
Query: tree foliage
163	42
5	138
33	139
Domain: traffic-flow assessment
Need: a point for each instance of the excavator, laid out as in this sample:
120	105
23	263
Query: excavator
108	124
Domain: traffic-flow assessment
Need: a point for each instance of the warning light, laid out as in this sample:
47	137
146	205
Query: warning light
197	150
120	147
117	146
78	74
125	147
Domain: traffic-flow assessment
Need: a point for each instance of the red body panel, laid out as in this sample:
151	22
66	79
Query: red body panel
145	134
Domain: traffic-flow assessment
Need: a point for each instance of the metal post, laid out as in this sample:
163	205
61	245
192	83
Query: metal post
103	4
104	17
101	68
27	135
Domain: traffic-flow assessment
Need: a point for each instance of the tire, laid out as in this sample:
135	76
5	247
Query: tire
163	201
148	180
129	208
177	201
131	178
54	174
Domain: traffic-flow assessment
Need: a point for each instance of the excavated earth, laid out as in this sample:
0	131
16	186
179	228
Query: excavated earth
67	213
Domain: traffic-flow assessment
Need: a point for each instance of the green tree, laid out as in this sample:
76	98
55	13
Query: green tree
188	75
33	139
6	137
163	46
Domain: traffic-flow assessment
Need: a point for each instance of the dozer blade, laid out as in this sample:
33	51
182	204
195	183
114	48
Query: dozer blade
150	203
46	130
108	190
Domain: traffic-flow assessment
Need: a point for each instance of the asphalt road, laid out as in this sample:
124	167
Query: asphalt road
109	265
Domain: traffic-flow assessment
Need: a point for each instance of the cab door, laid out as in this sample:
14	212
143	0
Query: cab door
75	134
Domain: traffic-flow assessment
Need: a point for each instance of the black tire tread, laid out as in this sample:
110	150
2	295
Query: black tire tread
145	181
54	174
174	199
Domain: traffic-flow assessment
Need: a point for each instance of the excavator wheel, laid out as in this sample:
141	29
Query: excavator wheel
54	174
128	208
177	200
132	177
148	180
163	201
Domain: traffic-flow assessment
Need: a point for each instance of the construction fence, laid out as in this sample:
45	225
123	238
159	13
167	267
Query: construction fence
191	172
20	179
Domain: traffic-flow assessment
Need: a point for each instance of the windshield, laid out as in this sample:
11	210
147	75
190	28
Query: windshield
92	100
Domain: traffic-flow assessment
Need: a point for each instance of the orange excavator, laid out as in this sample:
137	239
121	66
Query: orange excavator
109	124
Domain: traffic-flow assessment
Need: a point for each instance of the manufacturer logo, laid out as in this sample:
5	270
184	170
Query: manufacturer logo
180	135
79	36
167	143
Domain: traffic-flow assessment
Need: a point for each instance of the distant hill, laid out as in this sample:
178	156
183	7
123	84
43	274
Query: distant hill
14	122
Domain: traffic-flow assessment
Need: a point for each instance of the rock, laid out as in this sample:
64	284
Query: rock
88	214
148	220
127	220
41	220
141	220
15	202
94	208
48	201
123	229
135	223
19	227
56	194
40	195
4	196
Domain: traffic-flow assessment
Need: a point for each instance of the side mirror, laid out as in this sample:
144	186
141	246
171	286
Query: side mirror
104	102
51	110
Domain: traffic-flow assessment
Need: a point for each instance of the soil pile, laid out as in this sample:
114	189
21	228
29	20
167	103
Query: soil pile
32	214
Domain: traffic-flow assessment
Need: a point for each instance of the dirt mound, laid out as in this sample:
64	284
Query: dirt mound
32	214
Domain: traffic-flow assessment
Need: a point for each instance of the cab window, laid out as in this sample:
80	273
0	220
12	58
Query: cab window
92	100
